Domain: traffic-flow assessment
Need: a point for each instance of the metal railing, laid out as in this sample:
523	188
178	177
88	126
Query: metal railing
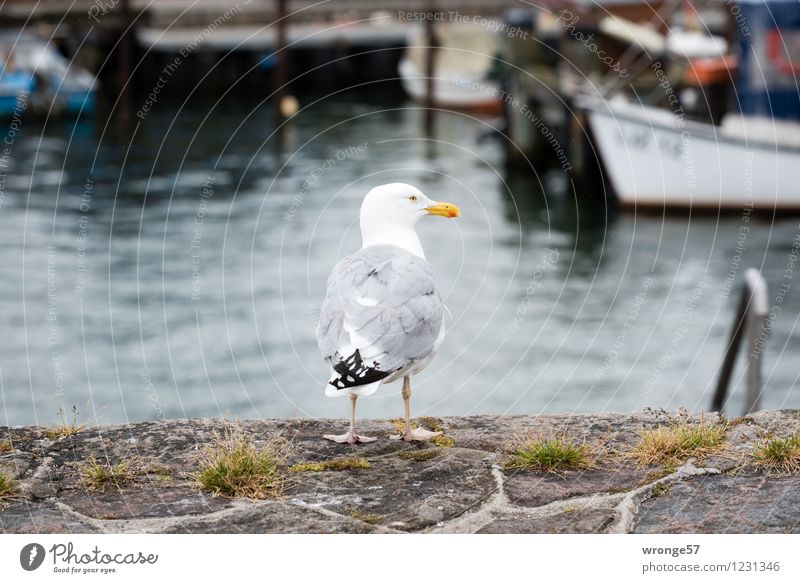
751	321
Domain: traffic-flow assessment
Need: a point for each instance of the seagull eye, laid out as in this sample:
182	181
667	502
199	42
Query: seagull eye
412	198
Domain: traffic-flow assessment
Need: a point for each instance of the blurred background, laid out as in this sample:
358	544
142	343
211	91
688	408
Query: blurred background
177	179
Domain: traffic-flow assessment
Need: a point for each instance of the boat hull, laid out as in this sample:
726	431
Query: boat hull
656	160
456	91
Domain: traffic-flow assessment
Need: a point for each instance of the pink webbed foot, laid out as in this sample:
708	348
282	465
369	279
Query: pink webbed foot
350	437
418	434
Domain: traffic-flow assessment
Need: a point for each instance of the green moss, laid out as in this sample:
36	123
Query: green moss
419	455
443	441
368	518
98	476
400	425
658	490
549	454
779	454
234	467
307	467
335	465
431	424
65	427
672	445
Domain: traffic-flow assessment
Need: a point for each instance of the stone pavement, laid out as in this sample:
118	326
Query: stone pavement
463	488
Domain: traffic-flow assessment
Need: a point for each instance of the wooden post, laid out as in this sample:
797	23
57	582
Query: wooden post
751	317
757	330
281	67
125	59
430	72
730	354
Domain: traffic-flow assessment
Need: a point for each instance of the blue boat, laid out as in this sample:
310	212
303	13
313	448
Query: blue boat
35	77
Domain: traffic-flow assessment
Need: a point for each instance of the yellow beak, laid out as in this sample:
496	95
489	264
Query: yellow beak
444	209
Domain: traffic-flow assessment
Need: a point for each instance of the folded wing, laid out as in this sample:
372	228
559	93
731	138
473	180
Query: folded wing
381	313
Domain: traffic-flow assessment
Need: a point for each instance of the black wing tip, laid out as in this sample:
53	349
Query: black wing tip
354	373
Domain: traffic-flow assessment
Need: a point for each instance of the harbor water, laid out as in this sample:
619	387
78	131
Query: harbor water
174	268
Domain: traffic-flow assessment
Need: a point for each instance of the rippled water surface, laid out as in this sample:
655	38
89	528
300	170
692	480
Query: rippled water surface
175	269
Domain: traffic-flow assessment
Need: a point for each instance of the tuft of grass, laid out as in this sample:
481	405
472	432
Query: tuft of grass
549	454
338	464
368	518
780	455
5	446
674	444
233	467
99	476
7	486
65	427
419	455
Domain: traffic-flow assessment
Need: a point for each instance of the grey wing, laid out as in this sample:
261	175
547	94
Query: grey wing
382	312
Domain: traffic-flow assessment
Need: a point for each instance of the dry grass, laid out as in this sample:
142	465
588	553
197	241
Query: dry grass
674	444
233	467
5	445
99	476
338	464
65	427
549	453
7	486
779	455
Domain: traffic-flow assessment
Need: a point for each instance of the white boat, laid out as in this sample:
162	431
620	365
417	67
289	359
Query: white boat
655	158
462	61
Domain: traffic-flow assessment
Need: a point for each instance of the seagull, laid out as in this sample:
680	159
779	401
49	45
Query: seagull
381	319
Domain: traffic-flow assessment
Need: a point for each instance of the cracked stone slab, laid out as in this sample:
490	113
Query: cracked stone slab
531	489
782	423
143	500
462	489
724	504
16	464
582	521
482	431
403	494
25	518
269	517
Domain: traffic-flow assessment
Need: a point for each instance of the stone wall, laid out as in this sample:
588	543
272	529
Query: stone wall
461	485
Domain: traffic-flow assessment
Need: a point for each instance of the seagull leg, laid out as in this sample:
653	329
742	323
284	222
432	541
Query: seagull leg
351	436
409	434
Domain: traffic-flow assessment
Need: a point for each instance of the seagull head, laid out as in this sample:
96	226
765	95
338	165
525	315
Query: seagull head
389	213
401	205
